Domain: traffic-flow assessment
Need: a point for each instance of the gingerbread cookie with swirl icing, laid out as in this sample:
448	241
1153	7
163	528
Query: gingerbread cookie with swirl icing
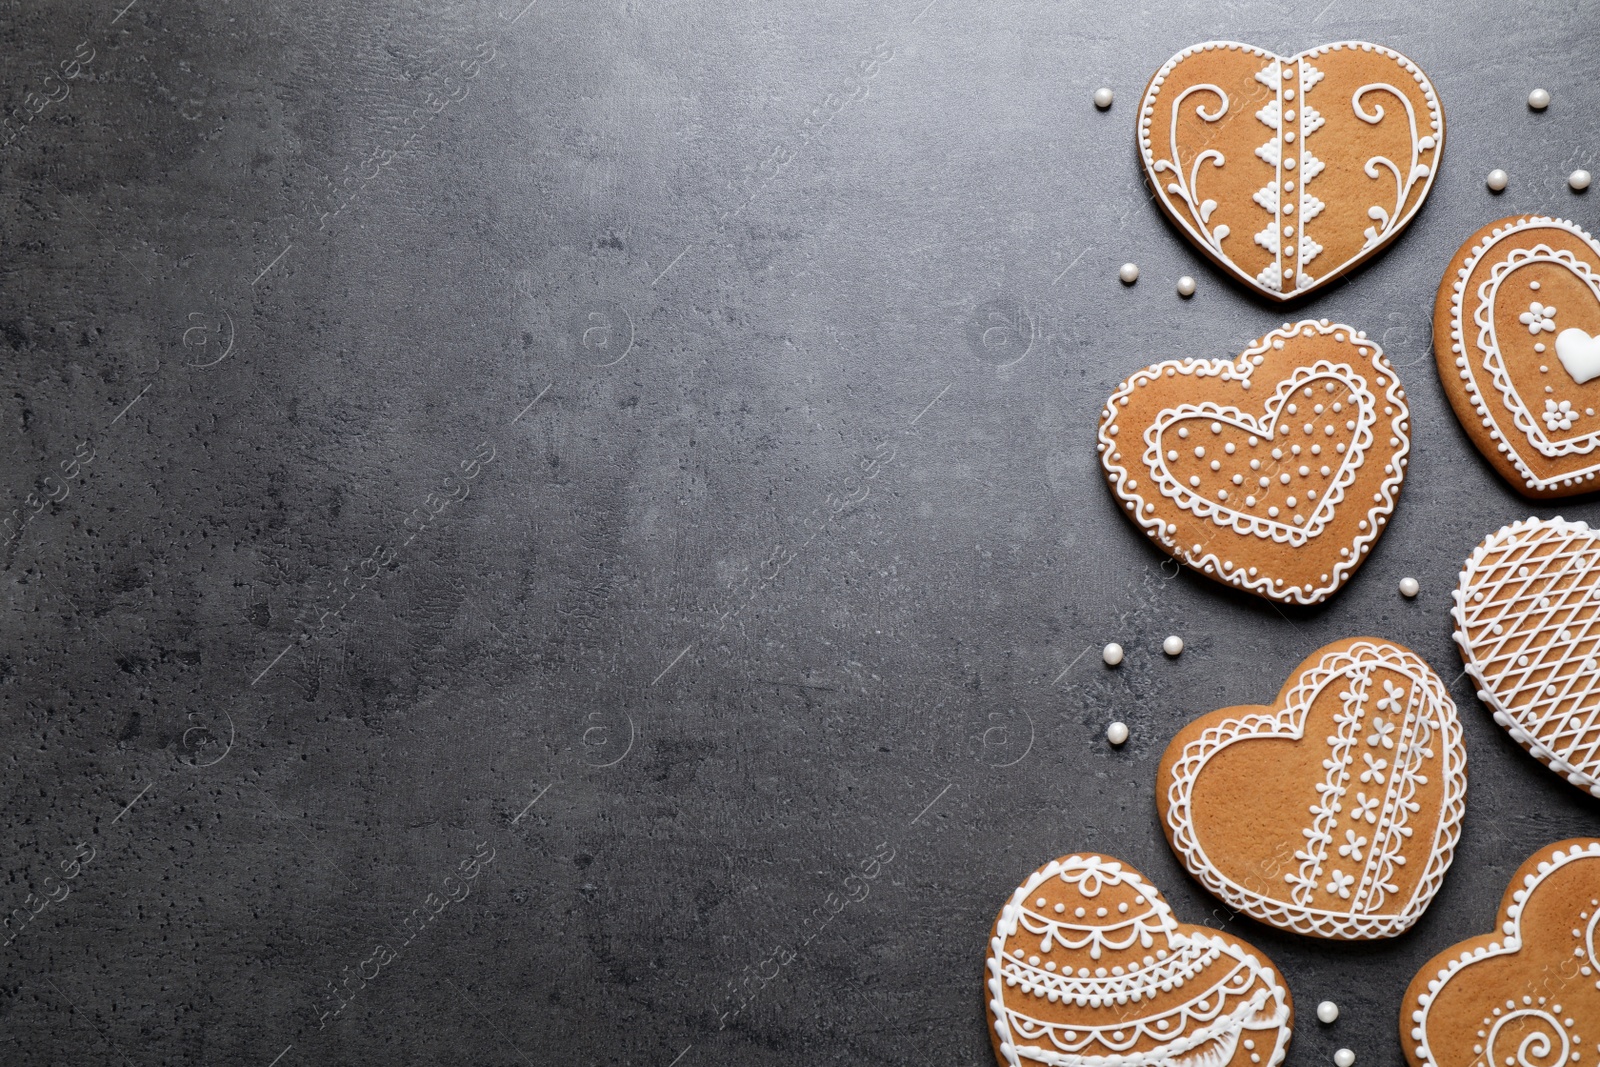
1289	171
1528	994
1516	334
1088	965
1273	472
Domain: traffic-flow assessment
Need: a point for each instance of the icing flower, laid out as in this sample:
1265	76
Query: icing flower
1559	416
1538	318
1352	845
1393	698
1340	883
1374	771
1366	808
1380	733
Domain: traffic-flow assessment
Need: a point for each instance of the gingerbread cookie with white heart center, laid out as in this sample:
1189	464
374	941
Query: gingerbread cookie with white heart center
1527	615
1527	995
1289	171
1088	965
1273	472
1517	339
1335	811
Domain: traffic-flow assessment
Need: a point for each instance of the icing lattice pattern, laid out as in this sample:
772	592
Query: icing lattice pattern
1527	614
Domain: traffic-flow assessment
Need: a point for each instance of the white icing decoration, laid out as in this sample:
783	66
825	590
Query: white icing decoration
1205	994
1559	416
1485	368
1579	354
1290	120
1395	731
1527	615
1127	480
1541	1029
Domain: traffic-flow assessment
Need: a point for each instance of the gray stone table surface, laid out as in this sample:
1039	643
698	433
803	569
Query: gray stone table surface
512	505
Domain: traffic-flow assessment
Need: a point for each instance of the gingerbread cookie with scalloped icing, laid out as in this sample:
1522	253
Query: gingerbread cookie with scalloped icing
1527	995
1289	171
1273	472
1516	334
1088	965
1335	811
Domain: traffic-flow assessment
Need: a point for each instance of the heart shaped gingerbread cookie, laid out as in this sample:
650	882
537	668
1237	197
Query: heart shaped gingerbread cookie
1527	614
1517	339
1335	812
1526	995
1273	472
1087	965
1289	171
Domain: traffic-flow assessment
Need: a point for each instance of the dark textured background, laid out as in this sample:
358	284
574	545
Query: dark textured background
643	661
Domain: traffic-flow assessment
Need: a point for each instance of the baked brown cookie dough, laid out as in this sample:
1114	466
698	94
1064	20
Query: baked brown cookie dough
1335	811
1288	171
1516	333
1273	472
1527	994
1087	964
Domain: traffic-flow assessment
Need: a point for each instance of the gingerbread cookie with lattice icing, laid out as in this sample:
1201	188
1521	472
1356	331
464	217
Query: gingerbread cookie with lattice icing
1516	334
1273	472
1087	965
1527	995
1527	615
1288	171
1334	812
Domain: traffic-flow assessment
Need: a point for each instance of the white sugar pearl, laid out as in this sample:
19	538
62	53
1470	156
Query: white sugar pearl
1173	645
1103	97
1185	286
1539	99
1579	180
1409	587
1497	180
1344	1058
1327	1011
1117	733
1112	654
1129	273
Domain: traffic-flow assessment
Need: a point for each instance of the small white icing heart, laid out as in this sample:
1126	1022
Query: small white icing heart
1579	354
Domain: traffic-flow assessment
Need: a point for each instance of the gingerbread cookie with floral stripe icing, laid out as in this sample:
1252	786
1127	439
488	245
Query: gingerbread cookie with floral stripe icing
1088	965
1527	995
1517	338
1289	171
1273	472
1334	812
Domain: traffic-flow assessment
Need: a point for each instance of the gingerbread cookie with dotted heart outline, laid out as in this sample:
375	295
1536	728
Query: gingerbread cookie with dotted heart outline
1517	339
1334	812
1289	171
1527	995
1088	965
1527	615
1273	472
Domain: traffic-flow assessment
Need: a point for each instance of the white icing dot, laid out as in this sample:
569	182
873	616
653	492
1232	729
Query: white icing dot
1327	1011
1579	180
1183	431
1173	645
1228	448
1116	733
1112	654
1497	180
1409	587
1129	273
1103	97
1539	99
1185	286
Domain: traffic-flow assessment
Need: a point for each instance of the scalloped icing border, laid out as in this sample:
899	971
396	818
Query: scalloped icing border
1581	848
1510	722
1289	723
1502	383
1147	158
1239	369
